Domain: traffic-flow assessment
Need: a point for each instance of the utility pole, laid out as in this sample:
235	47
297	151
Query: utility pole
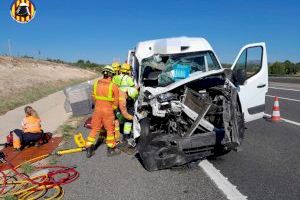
39	55
10	54
9	47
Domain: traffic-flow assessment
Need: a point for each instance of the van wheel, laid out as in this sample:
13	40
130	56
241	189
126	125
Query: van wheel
240	123
220	149
145	130
145	148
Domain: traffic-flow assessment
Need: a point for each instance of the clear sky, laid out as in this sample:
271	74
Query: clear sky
99	30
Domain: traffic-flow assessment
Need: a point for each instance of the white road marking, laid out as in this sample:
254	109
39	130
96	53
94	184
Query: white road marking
280	88
297	100
222	182
286	120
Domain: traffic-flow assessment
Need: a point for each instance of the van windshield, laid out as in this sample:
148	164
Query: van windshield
162	70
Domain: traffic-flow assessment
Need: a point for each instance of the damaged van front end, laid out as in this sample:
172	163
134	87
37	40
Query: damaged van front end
189	107
188	120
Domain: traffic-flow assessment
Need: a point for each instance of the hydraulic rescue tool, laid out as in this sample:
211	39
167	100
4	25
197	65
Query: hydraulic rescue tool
79	141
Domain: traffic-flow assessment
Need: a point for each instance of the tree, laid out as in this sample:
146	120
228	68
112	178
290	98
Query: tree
80	61
289	67
277	68
286	67
297	66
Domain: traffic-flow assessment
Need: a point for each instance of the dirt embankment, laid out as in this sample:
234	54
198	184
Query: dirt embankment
25	80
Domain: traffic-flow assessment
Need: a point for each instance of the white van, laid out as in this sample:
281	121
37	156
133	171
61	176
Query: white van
189	107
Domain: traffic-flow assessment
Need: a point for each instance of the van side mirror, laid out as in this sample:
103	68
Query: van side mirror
240	76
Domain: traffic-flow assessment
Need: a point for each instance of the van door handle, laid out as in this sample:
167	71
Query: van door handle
261	85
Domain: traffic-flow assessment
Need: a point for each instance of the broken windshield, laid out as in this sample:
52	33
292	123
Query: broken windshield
162	70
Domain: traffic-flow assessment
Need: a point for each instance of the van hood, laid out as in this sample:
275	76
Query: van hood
195	76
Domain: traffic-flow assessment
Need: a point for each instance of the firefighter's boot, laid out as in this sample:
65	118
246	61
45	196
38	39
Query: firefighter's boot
89	151
113	152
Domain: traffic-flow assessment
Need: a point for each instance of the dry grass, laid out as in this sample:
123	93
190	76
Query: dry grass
31	94
26	80
68	129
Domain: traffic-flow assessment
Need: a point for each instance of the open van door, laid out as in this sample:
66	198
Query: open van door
250	75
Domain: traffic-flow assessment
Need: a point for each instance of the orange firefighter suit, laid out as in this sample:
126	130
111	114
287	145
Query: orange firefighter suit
31	124
106	96
32	131
123	108
122	105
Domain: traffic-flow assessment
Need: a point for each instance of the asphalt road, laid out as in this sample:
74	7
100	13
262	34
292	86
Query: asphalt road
123	177
289	106
268	167
285	79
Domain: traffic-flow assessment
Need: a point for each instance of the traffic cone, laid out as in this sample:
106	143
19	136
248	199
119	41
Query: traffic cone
276	113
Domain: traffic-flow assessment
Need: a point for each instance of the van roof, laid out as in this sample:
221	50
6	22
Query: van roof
171	46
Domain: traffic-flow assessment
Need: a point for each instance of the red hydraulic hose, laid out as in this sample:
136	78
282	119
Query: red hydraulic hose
52	180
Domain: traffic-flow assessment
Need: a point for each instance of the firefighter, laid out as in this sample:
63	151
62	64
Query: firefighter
127	102
116	66
122	114
106	96
125	79
125	117
123	96
31	129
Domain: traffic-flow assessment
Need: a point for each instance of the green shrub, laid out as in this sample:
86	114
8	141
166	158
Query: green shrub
282	68
88	65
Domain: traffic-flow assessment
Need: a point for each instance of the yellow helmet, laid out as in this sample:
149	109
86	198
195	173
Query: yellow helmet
125	68
116	66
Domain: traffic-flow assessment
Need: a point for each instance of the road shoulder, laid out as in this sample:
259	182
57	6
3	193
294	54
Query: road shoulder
50	108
